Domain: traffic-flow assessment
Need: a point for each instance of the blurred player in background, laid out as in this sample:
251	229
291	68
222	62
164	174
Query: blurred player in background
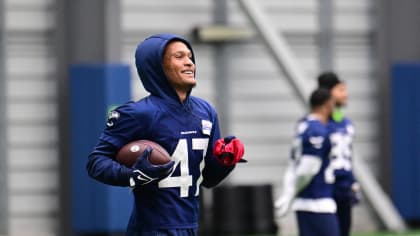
166	197
308	186
346	188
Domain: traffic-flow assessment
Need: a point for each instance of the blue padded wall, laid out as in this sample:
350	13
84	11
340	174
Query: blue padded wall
406	139
94	89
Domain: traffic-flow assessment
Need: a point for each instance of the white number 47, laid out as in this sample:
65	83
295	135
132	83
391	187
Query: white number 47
184	181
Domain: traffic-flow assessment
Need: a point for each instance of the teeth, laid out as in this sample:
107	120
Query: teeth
188	72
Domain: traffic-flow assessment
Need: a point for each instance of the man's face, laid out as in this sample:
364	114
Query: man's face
339	93
178	66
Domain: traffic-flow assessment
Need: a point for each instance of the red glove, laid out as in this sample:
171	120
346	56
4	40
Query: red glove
229	151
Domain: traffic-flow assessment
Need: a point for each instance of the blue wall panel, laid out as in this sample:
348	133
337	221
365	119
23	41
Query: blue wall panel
406	139
94	89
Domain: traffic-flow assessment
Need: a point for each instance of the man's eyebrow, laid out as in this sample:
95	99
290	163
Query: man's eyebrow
181	51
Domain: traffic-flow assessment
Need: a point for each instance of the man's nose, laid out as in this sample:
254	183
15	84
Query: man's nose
189	62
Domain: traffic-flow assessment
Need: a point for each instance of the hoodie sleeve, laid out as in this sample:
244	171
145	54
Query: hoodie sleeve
121	129
213	172
103	167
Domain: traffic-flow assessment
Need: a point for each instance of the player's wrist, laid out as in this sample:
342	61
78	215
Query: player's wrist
126	174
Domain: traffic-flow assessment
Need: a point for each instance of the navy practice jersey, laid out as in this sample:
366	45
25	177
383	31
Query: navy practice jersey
312	142
341	137
187	130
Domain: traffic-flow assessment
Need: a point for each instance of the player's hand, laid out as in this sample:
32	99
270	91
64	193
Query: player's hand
145	172
356	193
282	205
229	151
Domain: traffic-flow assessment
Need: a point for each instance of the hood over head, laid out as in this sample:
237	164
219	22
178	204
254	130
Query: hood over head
149	63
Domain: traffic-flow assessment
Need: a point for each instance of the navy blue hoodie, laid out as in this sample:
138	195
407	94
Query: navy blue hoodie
187	130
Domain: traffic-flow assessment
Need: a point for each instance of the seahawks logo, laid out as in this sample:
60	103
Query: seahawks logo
112	117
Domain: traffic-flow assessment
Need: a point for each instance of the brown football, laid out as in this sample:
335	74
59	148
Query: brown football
129	153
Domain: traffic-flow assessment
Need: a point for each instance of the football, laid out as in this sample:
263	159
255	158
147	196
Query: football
129	153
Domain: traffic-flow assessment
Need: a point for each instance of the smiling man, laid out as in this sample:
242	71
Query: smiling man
186	126
179	67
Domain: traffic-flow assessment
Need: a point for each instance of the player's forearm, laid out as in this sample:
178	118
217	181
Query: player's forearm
214	173
103	168
301	182
289	180
108	171
308	167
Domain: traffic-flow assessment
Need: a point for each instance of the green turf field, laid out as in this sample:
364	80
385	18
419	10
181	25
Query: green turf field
413	233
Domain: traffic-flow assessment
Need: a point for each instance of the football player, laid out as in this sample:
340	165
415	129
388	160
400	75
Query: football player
309	178
346	188
186	126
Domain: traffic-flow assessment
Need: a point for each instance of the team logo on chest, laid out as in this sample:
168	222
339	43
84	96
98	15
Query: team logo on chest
206	127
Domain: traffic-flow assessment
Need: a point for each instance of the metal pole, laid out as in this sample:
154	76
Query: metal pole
221	82
4	193
222	99
86	32
326	34
112	31
61	41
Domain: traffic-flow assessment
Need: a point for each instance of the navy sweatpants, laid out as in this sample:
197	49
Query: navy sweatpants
317	224
165	232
